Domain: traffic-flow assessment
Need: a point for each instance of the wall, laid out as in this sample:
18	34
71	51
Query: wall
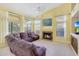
64	9
4	19
3	27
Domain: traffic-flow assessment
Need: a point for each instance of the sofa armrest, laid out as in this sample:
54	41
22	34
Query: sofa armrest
25	47
39	51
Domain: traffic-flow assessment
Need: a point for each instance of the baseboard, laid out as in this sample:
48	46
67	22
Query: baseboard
64	42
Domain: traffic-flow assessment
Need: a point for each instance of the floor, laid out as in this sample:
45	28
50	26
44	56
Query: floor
56	49
52	49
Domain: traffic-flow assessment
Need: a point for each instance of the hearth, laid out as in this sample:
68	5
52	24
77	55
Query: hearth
47	35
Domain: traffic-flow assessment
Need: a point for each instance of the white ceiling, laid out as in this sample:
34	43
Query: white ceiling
30	9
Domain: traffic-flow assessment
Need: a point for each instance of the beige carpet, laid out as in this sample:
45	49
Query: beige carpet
55	49
52	49
5	52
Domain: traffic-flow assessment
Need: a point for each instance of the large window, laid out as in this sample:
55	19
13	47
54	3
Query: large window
13	24
61	26
37	26
28	26
14	27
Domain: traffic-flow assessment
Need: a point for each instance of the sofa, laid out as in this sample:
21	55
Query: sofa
29	36
20	44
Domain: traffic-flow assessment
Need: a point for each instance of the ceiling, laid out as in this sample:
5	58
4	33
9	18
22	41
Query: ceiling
31	9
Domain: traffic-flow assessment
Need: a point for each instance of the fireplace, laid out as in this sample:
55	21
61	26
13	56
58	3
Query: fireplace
47	35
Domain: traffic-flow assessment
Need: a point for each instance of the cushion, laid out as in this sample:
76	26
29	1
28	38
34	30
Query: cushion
17	35
24	44
29	34
29	39
23	35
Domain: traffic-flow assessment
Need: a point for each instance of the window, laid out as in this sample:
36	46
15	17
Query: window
28	26
13	24
14	27
37	26
61	26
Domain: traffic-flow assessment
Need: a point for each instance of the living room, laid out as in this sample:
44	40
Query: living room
49	27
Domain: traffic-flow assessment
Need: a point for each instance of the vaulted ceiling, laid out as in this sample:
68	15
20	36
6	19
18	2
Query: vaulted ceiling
31	9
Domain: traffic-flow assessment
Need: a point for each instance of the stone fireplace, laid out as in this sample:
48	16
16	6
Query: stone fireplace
47	35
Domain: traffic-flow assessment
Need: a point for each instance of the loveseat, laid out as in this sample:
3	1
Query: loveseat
21	44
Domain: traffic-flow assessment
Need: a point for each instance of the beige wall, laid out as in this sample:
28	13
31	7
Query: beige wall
64	9
3	27
4	19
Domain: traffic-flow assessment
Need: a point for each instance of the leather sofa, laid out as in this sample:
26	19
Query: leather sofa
21	44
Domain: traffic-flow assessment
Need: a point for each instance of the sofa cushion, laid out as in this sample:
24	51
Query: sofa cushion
17	35
29	39
29	34
23	35
33	35
23	43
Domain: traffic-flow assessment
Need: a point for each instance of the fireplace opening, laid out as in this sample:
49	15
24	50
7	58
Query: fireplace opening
47	35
